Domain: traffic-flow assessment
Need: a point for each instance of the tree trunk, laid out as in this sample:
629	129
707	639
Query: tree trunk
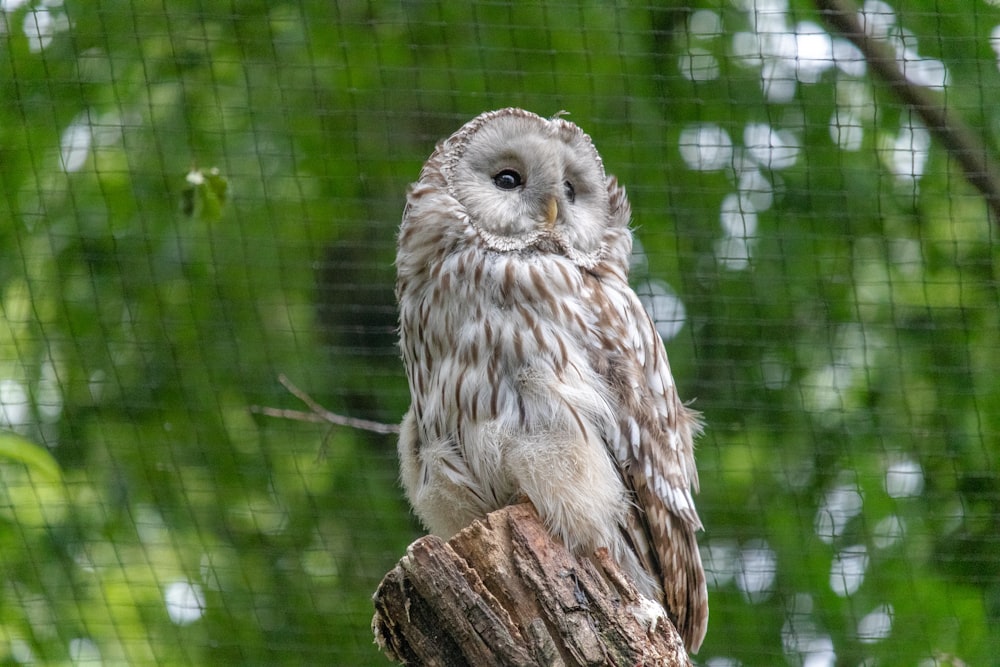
503	592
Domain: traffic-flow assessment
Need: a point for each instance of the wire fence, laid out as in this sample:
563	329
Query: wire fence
199	198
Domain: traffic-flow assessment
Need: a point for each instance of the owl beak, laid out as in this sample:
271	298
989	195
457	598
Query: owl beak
551	213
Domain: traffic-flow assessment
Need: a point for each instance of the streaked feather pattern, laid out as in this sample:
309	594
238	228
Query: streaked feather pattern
533	368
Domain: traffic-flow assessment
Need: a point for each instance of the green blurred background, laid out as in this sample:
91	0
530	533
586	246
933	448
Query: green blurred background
827	282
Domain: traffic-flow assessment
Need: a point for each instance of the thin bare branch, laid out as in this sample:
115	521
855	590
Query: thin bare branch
318	414
283	413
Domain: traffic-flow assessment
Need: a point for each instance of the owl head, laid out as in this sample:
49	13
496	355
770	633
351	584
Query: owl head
527	182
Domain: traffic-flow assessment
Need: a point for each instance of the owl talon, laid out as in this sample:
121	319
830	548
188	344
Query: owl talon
649	613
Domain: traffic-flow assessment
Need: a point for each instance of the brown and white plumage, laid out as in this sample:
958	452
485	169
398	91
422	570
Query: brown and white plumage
533	368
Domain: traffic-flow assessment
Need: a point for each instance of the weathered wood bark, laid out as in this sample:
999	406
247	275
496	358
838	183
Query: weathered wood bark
503	592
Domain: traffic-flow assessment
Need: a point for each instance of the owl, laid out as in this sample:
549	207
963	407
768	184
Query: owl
533	369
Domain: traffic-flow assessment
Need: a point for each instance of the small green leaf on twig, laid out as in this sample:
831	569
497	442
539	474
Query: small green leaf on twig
205	194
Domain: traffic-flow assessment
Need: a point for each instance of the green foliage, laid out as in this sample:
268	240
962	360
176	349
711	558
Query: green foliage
15	448
198	197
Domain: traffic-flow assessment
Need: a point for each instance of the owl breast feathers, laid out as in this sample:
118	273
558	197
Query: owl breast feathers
533	368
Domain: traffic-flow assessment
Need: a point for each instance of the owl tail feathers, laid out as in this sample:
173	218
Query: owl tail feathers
685	592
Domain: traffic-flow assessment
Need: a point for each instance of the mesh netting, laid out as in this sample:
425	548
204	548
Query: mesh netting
197	198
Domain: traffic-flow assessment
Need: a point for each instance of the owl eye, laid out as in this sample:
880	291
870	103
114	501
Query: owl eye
570	191
507	179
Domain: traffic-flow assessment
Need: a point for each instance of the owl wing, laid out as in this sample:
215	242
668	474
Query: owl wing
654	442
654	447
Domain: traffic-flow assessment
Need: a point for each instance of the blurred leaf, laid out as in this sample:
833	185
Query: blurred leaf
13	447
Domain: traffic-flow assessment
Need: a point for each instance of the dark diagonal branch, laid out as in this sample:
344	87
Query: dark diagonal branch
960	141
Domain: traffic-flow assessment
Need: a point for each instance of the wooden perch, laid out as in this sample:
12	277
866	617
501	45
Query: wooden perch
503	592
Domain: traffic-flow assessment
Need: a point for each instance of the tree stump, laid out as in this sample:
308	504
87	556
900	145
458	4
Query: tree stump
503	592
